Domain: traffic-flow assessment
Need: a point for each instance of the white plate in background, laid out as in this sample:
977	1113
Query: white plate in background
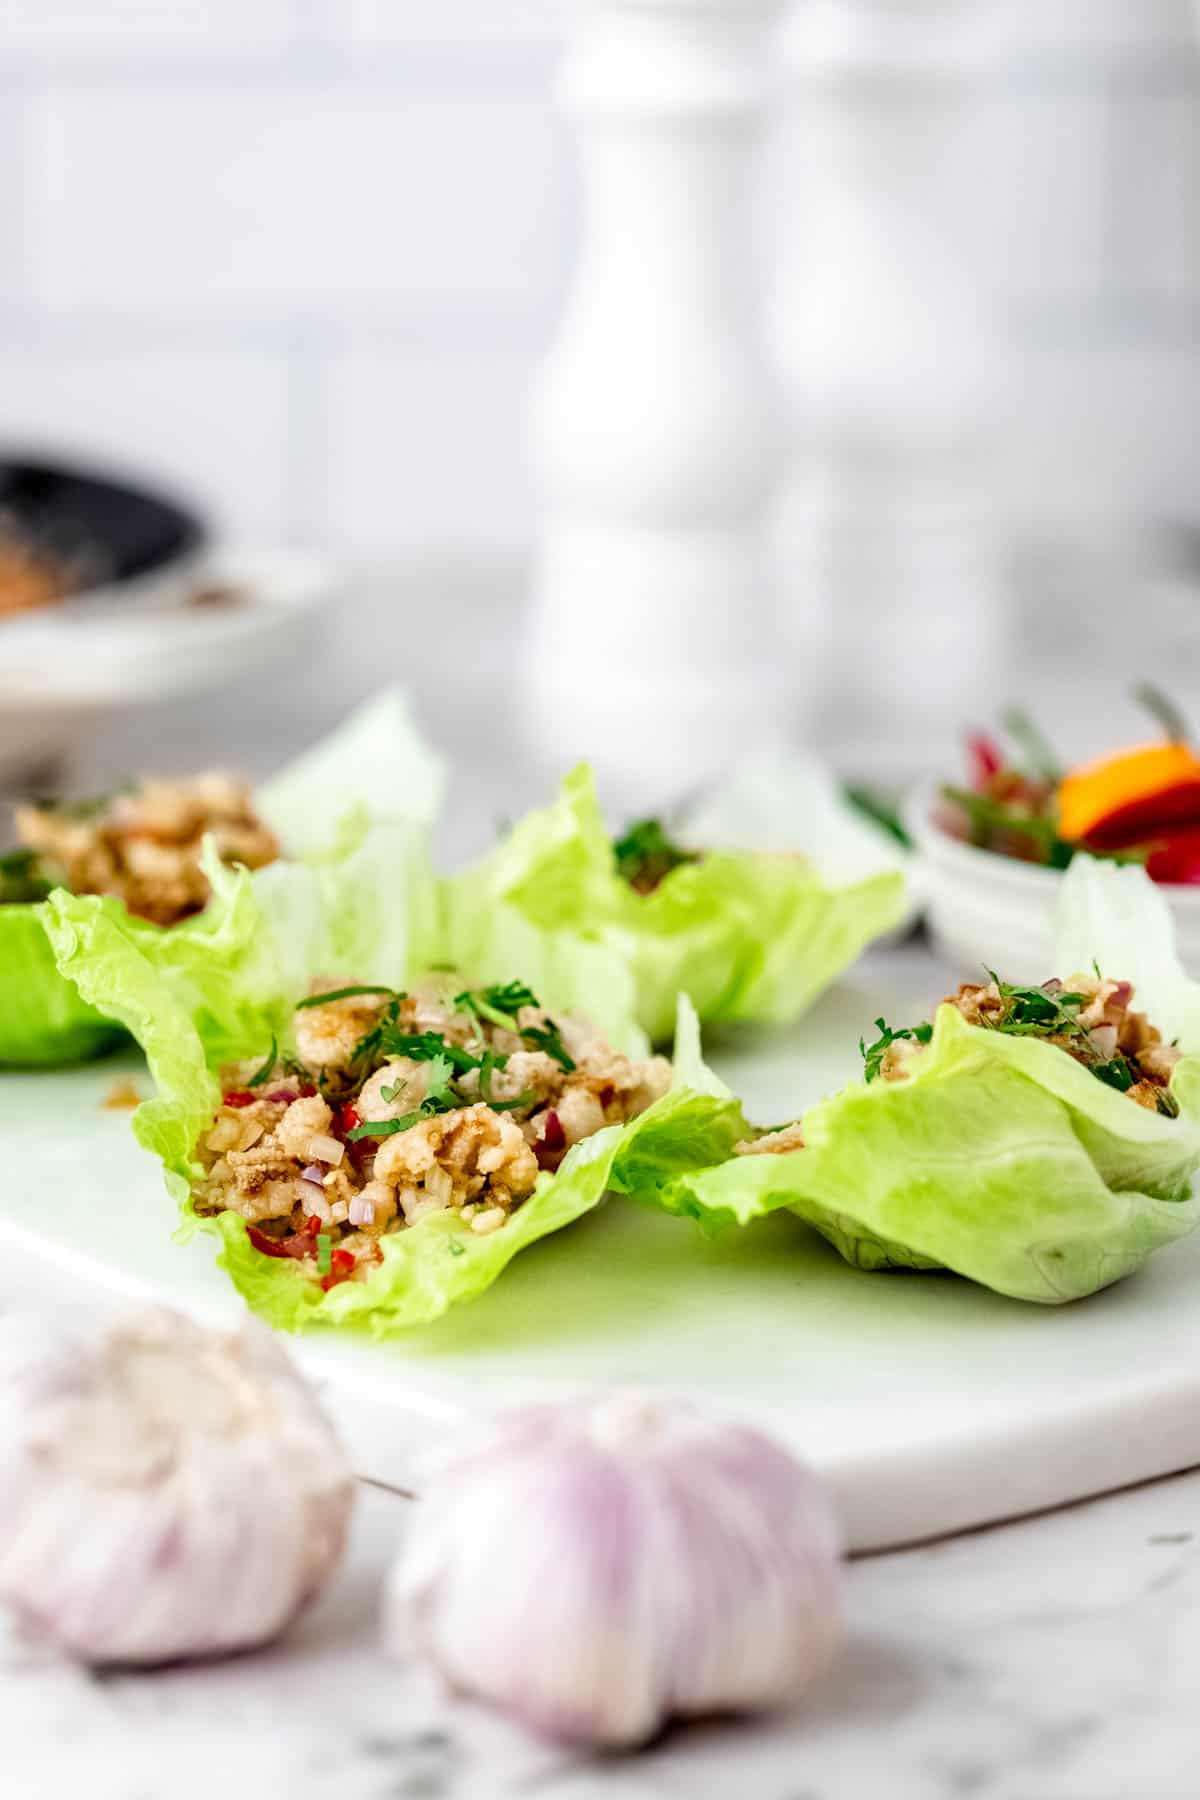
62	669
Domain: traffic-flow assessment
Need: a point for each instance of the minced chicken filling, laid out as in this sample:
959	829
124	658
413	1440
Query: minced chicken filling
143	845
398	1105
1090	1018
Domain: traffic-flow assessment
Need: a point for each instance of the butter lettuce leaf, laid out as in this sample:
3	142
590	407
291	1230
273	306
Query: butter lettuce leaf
438	1262
375	766
354	888
194	1001
1000	1158
44	1021
748	936
1113	917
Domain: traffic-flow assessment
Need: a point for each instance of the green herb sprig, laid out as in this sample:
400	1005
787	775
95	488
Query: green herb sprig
261	1076
646	854
344	993
874	1054
500	1006
440	1097
22	879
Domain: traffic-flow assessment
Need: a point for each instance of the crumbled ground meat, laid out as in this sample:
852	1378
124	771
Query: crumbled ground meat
1096	1025
480	1112
772	1143
1090	1018
144	846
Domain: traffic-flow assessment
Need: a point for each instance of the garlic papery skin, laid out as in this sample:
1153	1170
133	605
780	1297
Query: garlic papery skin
599	1568
165	1491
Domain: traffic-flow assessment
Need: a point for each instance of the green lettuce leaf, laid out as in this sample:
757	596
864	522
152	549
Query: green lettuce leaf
44	1021
1112	915
748	936
439	1262
1000	1158
210	991
355	890
374	766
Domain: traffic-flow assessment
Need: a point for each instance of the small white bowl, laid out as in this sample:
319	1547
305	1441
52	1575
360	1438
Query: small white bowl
986	911
62	668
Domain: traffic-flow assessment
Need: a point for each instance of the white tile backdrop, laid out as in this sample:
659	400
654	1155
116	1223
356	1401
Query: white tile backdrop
303	256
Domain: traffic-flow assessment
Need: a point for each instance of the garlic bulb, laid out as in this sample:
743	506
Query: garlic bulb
599	1568
165	1492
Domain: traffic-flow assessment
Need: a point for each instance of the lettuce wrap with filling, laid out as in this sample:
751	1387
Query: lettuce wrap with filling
373	769
1043	1150
747	934
266	945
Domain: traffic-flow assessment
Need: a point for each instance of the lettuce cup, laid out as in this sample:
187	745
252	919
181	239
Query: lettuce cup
150	848
1041	1141
748	935
43	1020
374	1144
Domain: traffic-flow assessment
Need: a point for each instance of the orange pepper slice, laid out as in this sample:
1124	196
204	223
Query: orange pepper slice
1122	798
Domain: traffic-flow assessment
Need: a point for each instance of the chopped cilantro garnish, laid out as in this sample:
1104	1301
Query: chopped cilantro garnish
1035	1012
440	1097
645	855
1115	1073
500	1006
490	1062
384	1127
324	1252
262	1075
547	1037
874	1054
426	1046
343	993
1050	1013
439	1093
22	880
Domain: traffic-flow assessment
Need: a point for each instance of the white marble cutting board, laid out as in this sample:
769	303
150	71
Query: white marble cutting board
933	1405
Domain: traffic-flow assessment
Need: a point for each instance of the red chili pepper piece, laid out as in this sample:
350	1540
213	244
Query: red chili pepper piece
297	1245
346	1118
984	757
238	1097
307	1090
313	1224
342	1262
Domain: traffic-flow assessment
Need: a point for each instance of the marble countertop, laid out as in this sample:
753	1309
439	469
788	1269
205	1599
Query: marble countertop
1052	1659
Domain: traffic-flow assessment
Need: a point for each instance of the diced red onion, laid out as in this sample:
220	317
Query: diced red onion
361	1210
314	1173
281	1095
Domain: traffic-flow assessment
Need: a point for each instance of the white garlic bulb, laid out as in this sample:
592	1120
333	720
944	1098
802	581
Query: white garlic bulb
600	1568
164	1492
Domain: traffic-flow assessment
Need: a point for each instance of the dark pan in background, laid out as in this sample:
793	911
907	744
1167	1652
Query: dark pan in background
101	530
